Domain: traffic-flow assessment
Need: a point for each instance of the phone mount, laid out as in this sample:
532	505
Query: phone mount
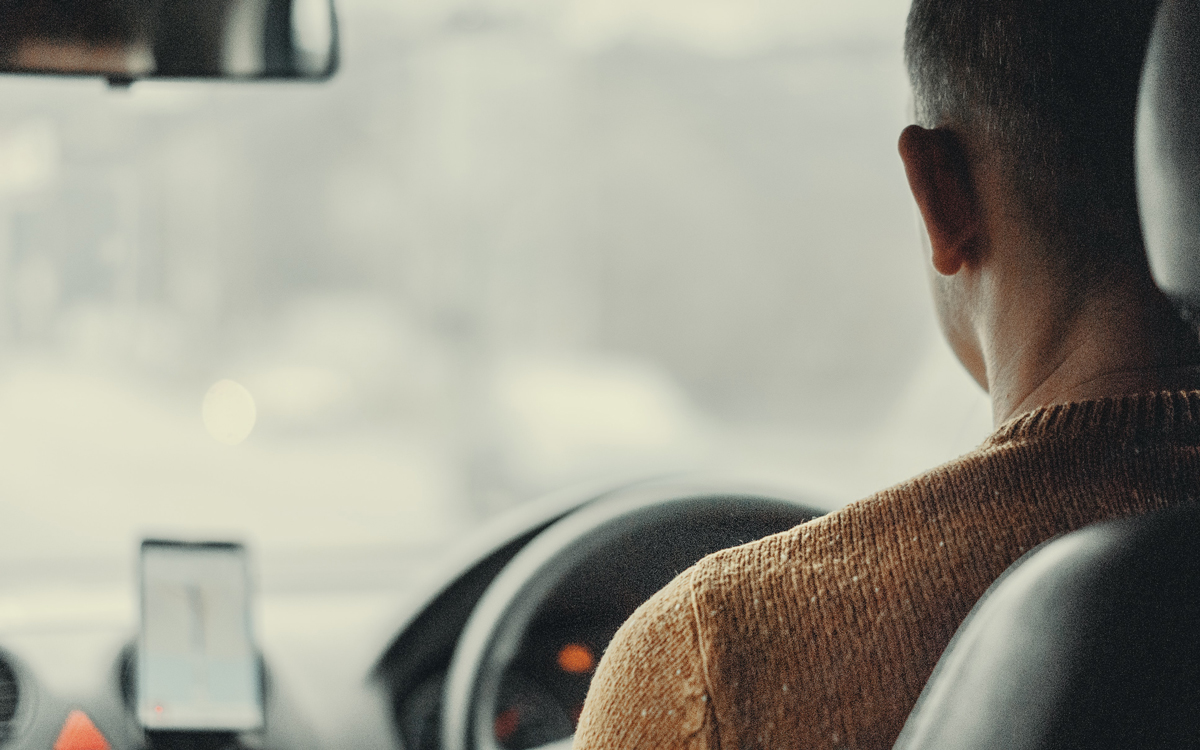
160	739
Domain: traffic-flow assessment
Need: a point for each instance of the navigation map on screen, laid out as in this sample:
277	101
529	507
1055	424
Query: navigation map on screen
197	665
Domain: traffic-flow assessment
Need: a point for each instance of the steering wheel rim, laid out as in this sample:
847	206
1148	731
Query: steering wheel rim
494	633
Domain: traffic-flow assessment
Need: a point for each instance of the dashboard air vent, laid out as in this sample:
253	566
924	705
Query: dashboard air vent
9	695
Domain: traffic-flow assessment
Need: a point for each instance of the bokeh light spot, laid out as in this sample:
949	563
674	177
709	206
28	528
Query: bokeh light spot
507	723
228	412
576	658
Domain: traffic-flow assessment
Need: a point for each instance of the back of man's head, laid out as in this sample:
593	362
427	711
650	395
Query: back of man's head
1050	88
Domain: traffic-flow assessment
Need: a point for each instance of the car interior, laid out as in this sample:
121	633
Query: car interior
1084	642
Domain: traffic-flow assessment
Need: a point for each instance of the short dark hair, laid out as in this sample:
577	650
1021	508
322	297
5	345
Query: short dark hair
1052	85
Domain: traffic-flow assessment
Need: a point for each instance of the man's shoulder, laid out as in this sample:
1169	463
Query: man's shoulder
852	609
650	689
850	529
956	526
815	616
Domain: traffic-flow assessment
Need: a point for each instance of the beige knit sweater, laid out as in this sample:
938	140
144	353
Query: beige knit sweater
823	636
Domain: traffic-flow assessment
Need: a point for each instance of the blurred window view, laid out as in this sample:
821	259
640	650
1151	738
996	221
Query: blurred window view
510	246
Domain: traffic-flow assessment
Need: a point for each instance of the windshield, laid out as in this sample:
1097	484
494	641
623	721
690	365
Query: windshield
509	246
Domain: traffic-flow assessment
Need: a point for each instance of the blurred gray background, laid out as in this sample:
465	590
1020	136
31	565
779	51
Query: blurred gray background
510	246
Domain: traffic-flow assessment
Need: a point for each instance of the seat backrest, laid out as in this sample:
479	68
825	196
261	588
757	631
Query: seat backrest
1168	152
1093	640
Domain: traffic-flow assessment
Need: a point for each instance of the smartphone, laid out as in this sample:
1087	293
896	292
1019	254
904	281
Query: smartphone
197	663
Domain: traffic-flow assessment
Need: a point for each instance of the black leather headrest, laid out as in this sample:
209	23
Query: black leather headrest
1168	152
1091	641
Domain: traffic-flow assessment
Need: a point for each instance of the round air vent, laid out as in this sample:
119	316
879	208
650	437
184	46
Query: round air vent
9	697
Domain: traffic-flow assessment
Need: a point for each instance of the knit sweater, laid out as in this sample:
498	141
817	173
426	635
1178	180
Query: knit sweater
823	636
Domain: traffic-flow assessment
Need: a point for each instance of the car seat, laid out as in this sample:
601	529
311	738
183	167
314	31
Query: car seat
1093	639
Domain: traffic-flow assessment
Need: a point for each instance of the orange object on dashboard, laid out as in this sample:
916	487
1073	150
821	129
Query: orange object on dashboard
79	733
507	724
576	658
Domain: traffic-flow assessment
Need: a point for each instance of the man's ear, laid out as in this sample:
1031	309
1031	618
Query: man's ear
939	178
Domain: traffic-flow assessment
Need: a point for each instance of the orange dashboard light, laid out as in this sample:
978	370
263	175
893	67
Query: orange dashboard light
79	733
576	658
507	724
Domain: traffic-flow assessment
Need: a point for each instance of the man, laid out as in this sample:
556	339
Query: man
1022	168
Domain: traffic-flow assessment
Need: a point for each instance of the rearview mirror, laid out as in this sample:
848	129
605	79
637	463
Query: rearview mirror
124	40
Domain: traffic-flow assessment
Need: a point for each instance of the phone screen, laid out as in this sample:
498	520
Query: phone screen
197	665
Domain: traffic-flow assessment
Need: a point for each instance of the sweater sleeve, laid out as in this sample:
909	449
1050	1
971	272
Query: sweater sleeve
650	690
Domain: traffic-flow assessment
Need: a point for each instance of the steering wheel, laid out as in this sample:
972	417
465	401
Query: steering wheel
619	549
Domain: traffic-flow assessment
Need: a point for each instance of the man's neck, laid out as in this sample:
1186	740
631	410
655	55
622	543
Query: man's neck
1127	339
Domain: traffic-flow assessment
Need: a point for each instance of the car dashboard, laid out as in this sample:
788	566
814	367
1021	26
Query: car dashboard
372	663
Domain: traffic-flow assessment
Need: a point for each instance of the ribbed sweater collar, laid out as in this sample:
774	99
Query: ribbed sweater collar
1168	416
